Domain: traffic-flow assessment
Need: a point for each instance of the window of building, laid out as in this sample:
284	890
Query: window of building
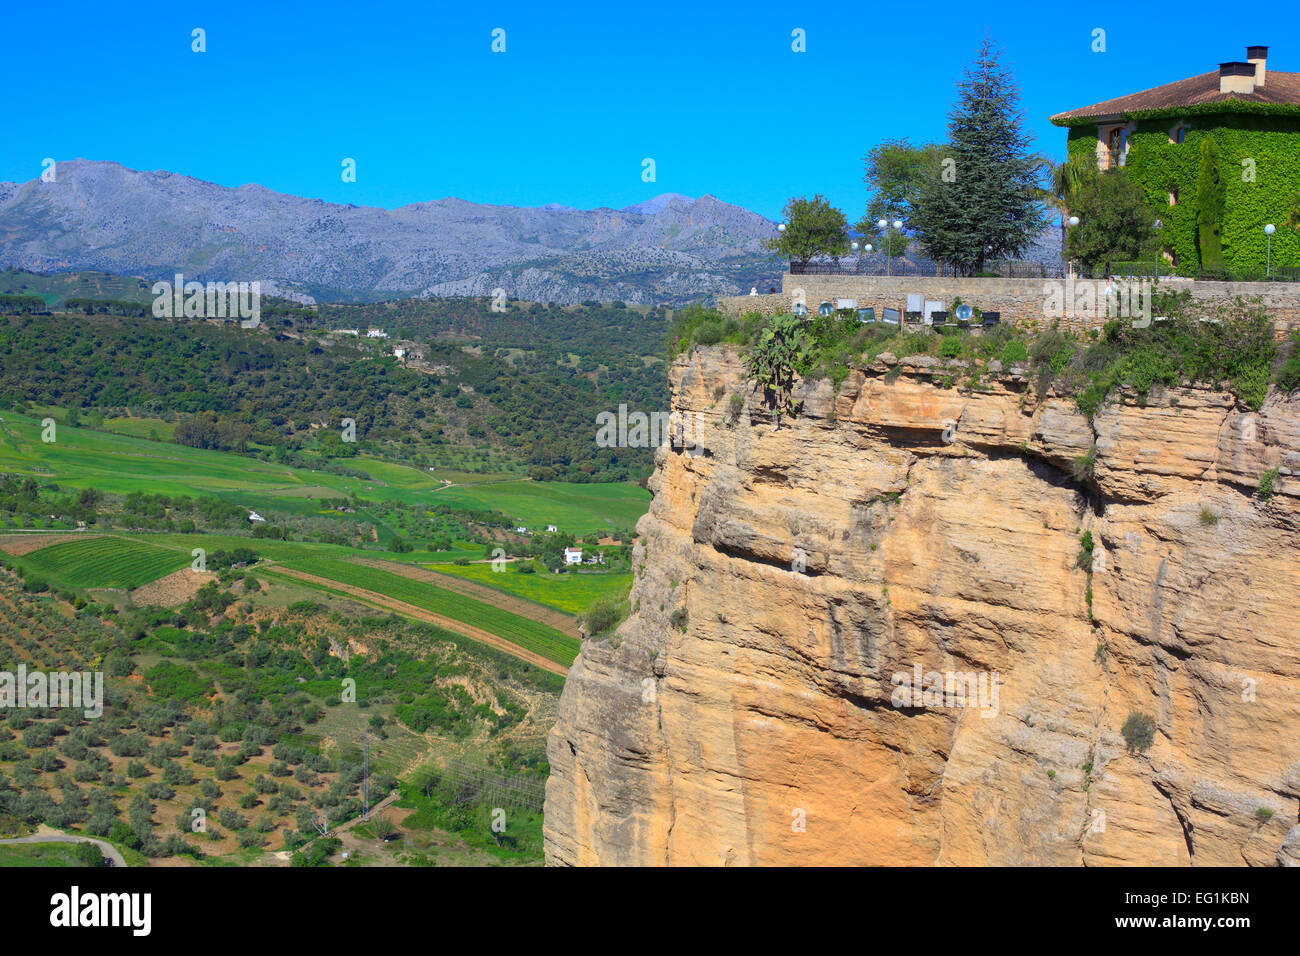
1114	147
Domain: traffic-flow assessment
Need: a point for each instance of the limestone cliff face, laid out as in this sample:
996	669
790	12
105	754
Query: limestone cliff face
744	713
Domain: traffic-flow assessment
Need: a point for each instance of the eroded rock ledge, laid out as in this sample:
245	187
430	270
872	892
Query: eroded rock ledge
743	715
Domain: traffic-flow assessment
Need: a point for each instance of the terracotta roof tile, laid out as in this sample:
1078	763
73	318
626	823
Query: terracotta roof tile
1279	88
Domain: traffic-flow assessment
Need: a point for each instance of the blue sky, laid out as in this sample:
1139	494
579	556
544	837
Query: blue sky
712	92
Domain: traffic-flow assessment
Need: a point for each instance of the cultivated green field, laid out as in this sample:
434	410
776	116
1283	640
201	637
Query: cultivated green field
573	508
572	593
527	634
120	464
153	428
105	561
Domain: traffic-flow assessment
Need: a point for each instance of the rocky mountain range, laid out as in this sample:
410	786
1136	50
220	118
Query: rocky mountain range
104	216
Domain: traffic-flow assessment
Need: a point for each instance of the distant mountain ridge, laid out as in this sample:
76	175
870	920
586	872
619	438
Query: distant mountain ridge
104	216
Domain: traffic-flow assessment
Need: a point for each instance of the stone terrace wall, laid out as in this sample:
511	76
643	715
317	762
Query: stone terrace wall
1021	301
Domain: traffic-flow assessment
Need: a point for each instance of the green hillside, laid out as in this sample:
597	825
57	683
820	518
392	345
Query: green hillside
55	289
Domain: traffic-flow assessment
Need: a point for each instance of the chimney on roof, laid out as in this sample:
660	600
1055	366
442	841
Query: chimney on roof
1236	77
1258	55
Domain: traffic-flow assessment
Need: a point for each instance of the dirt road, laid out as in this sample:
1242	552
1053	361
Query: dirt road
562	622
45	834
385	603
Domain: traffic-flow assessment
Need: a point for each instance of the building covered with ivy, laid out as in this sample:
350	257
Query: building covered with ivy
1218	156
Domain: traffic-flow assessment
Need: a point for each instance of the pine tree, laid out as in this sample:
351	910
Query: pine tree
983	203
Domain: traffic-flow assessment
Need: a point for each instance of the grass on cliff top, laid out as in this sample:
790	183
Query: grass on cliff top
1235	348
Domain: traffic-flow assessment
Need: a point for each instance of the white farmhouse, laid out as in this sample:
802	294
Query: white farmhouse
573	556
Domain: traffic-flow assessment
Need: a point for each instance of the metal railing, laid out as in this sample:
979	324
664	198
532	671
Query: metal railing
1016	269
923	268
1149	270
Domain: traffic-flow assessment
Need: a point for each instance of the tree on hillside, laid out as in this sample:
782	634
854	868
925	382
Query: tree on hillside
1114	221
984	203
813	227
1211	202
895	171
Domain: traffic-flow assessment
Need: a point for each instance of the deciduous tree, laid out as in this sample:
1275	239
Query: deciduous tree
813	227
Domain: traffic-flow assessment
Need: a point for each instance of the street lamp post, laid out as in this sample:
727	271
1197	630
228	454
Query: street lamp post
867	249
1157	225
1074	221
857	262
889	246
1268	231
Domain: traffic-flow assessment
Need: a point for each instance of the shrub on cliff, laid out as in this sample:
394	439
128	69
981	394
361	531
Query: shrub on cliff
1266	481
1288	376
1014	353
1086	545
1235	348
697	325
735	407
780	353
603	617
1139	731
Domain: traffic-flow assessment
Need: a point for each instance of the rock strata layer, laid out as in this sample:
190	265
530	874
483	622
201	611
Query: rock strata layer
793	578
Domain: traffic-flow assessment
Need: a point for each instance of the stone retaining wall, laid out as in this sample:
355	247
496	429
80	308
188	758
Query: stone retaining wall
1020	301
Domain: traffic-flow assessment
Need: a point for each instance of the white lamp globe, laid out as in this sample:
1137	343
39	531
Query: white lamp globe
898	224
883	223
1270	229
1074	220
